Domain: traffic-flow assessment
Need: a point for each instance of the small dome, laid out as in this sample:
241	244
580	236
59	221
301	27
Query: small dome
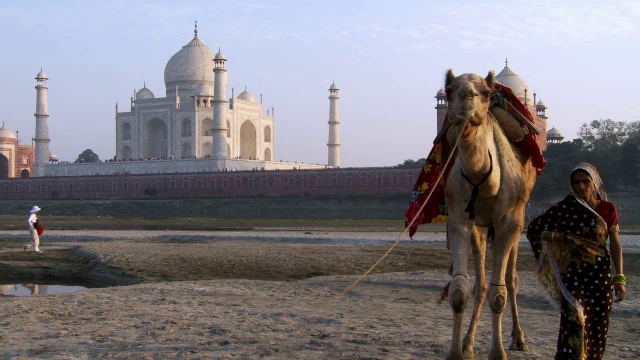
334	86
41	75
554	133
245	95
53	157
441	92
6	133
203	90
540	105
144	94
220	56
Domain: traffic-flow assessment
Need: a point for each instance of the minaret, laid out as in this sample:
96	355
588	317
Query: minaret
41	138
441	108
334	127
219	108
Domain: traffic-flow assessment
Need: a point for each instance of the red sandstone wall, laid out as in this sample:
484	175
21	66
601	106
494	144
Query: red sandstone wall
219	184
24	151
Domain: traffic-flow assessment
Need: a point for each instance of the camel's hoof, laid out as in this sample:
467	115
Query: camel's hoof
519	346
497	355
455	356
467	349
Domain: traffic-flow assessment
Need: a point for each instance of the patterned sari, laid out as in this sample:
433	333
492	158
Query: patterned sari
576	273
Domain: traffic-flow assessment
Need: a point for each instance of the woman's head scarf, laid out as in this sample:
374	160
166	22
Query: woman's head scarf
595	177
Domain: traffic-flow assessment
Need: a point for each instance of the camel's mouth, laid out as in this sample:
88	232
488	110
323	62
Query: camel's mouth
462	116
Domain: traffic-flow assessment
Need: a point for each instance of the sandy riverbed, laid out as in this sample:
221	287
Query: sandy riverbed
259	295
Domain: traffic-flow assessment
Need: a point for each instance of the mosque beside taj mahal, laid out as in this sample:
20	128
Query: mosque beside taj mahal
196	140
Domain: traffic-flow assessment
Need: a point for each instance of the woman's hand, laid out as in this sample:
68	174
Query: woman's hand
619	290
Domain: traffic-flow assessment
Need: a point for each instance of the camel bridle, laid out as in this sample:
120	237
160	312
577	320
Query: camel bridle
471	206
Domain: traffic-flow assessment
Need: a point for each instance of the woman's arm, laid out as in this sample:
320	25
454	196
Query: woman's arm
616	255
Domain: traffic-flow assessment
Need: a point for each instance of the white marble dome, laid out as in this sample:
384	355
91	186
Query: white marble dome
6	133
245	95
53	157
191	65
510	79
41	75
334	86
144	94
203	90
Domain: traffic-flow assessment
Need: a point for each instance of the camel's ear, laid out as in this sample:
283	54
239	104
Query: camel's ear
490	79
449	78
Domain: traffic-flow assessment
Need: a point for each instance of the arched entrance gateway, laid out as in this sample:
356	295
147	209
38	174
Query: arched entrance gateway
206	150
24	173
185	152
248	140
154	140
4	167
126	152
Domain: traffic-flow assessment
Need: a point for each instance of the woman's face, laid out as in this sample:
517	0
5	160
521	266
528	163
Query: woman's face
583	185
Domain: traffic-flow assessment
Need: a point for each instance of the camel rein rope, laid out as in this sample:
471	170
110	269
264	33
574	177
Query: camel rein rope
446	164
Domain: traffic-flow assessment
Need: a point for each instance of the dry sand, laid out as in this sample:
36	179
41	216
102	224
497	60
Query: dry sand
259	295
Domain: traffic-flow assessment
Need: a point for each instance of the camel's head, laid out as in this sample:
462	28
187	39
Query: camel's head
468	97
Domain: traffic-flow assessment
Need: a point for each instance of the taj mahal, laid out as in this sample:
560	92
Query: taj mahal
195	119
196	128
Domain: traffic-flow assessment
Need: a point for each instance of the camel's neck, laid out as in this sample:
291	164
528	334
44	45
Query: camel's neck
473	151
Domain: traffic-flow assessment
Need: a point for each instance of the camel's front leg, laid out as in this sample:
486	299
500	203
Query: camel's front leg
511	277
459	292
506	237
478	249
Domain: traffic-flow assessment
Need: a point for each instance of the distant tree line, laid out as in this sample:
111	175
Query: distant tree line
612	146
410	164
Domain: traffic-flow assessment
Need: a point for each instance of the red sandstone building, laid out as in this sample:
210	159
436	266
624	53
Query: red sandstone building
15	160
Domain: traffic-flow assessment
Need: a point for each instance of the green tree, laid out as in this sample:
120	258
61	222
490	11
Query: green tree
409	164
629	165
603	134
87	156
554	180
633	131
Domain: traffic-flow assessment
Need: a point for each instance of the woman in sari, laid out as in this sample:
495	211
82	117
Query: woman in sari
574	265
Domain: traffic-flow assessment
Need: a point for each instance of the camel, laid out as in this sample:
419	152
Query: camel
488	187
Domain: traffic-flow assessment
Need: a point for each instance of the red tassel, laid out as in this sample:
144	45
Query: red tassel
412	211
530	146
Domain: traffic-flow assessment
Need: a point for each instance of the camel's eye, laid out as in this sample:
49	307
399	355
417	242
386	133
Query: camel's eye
486	93
447	90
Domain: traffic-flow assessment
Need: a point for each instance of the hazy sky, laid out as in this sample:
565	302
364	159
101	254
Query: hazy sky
387	57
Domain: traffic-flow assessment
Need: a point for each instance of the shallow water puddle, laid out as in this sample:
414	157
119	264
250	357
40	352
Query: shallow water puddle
37	289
